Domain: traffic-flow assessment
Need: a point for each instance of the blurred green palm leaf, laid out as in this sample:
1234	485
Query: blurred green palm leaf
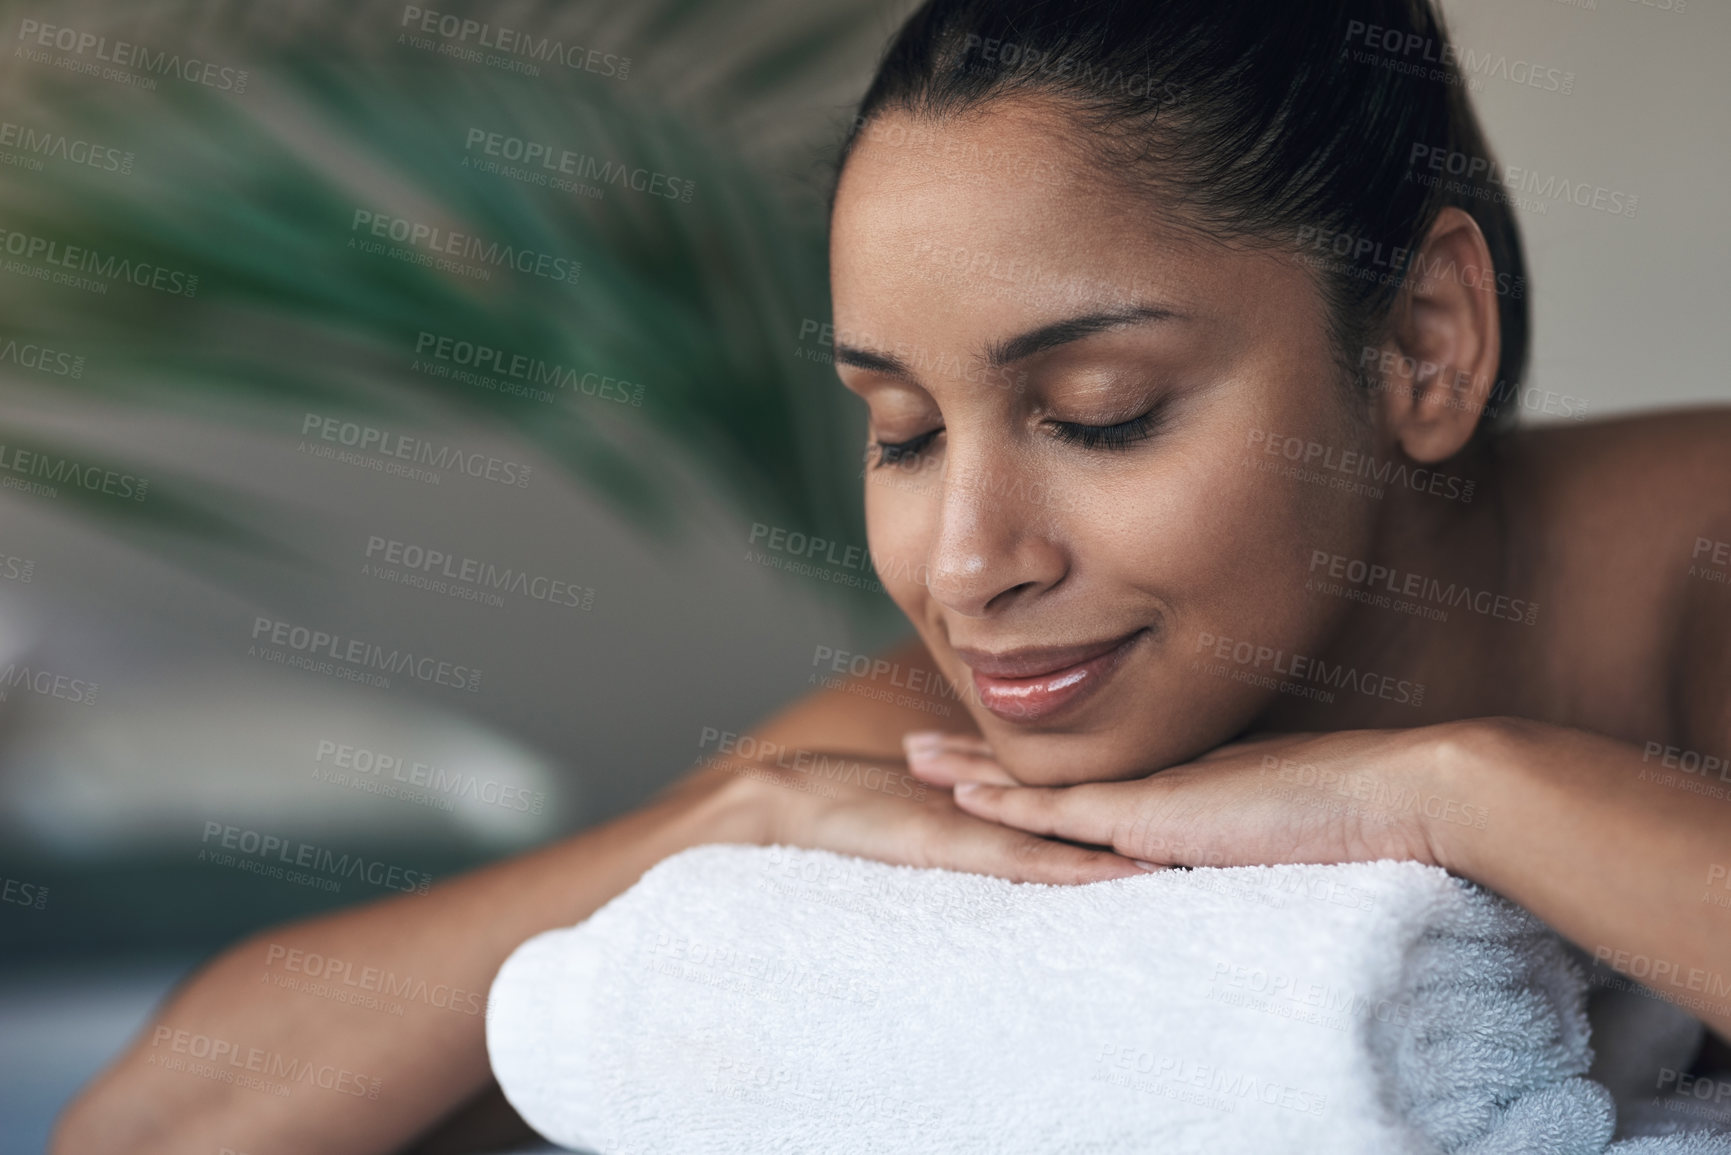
707	305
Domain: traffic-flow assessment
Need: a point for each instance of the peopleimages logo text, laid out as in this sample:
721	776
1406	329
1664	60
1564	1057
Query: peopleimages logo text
42	358
466	246
366	655
1392	44
551	158
1303	668
371	439
307	856
1374	577
1355	464
468	570
1548	187
546	49
58	146
129	55
110	266
49	467
485	358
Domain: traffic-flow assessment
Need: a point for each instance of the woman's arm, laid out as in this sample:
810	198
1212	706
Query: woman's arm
1607	845
170	1093
1582	830
162	1096
1624	847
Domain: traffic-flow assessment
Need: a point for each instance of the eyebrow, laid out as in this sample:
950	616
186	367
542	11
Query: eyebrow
1009	350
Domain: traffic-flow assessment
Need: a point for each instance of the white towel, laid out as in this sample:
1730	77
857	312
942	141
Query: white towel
743	1000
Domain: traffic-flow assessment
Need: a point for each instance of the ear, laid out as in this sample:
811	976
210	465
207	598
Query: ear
1439	363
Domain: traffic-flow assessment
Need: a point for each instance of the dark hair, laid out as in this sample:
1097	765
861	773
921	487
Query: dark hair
1335	127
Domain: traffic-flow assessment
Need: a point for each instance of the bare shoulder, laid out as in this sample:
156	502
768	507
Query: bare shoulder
1629	522
1640	497
1671	468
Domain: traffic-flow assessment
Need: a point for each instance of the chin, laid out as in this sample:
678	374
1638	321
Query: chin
1056	759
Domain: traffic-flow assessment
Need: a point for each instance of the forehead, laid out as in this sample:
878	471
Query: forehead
1000	215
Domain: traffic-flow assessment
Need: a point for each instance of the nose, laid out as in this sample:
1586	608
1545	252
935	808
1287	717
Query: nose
994	546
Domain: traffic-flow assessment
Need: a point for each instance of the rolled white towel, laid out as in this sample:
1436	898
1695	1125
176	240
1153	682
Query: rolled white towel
749	1000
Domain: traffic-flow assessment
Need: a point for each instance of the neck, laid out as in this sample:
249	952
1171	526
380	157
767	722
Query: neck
1432	556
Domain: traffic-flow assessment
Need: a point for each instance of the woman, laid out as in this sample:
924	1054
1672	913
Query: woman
1188	371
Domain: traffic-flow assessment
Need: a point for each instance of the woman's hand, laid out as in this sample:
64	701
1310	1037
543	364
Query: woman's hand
873	808
1348	796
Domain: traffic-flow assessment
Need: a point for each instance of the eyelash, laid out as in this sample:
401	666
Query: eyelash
1121	435
890	452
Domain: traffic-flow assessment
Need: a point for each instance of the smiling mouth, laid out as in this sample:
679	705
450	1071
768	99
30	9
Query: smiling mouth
1032	684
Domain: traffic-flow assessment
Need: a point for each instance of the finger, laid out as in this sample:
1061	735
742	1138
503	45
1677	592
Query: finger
1242	746
943	767
945	837
946	740
1087	813
1019	857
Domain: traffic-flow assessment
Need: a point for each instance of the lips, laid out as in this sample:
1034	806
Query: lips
1036	682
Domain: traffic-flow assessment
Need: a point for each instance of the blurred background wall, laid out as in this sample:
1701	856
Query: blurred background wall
347	343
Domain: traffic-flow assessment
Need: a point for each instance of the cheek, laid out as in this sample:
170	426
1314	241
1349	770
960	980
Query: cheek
1216	540
1230	527
1258	521
1204	529
899	506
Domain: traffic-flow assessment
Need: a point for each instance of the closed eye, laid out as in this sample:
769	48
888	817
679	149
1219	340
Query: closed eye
891	452
1118	436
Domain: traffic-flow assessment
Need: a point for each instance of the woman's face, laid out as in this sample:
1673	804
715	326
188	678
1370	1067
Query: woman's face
996	305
